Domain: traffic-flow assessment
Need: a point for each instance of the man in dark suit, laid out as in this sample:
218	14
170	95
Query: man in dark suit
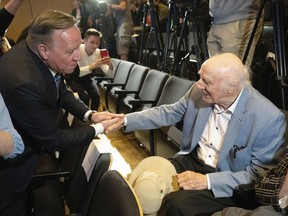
35	100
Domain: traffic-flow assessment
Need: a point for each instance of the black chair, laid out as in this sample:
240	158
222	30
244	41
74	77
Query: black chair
110	74
120	78
169	136
132	87
44	190
50	192
148	95
80	192
114	196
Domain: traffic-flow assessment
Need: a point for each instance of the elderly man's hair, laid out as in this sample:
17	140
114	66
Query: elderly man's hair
42	27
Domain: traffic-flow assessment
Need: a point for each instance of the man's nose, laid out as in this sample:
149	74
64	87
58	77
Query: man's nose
78	55
199	84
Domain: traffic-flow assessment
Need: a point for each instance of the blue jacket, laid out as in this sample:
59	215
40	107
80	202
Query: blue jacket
257	129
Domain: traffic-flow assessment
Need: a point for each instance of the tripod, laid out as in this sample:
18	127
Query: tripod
154	30
199	48
280	42
194	15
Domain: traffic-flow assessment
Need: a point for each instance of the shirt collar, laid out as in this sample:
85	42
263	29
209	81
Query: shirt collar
231	108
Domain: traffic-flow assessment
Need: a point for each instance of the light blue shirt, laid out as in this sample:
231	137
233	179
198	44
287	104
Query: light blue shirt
7	125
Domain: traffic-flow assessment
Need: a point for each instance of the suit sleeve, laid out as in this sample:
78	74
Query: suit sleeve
156	117
37	119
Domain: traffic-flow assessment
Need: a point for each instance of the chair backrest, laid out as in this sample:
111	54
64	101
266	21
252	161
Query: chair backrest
80	191
150	91
115	63
174	89
135	79
114	196
110	74
123	72
152	86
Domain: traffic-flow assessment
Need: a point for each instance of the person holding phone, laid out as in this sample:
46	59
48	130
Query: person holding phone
92	60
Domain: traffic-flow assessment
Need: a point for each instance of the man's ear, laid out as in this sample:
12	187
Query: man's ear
43	50
232	86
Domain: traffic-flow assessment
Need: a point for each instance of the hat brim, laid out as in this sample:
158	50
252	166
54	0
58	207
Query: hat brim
154	163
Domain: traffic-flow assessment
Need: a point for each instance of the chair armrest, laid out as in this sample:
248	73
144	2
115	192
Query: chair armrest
136	104
103	78
244	195
121	93
110	85
245	187
141	102
50	175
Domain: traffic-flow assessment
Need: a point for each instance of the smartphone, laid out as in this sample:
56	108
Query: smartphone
104	53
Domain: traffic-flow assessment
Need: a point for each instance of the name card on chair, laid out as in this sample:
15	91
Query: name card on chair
95	148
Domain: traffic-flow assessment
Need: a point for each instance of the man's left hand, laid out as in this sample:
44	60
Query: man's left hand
189	180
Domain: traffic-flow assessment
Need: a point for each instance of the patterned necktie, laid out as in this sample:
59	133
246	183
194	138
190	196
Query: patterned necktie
57	78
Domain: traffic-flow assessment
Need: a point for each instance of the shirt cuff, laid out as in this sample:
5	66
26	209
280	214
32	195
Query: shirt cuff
87	115
99	129
125	121
208	181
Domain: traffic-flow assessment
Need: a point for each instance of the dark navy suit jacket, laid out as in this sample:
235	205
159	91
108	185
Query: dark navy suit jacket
29	91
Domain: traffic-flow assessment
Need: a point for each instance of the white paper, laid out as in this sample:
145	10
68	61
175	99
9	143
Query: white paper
90	159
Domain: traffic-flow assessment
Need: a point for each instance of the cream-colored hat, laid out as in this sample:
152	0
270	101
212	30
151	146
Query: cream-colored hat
152	179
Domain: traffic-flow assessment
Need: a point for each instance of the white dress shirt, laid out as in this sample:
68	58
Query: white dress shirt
214	133
86	60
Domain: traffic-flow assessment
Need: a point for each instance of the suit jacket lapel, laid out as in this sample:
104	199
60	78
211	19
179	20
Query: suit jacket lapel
234	125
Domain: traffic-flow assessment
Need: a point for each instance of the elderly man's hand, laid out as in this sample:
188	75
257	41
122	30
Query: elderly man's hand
102	116
112	124
189	180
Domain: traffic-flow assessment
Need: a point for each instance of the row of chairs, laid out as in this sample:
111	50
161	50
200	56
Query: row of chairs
133	87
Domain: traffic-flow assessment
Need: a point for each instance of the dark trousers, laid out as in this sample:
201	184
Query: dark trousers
12	203
192	202
87	89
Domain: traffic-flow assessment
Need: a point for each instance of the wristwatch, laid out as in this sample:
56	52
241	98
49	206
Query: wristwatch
91	114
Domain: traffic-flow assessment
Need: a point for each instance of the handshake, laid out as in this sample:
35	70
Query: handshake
109	121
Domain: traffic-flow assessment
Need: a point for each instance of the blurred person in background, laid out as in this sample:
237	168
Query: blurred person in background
232	24
120	10
81	80
7	14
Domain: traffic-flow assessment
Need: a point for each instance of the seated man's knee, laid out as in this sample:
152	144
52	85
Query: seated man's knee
171	204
